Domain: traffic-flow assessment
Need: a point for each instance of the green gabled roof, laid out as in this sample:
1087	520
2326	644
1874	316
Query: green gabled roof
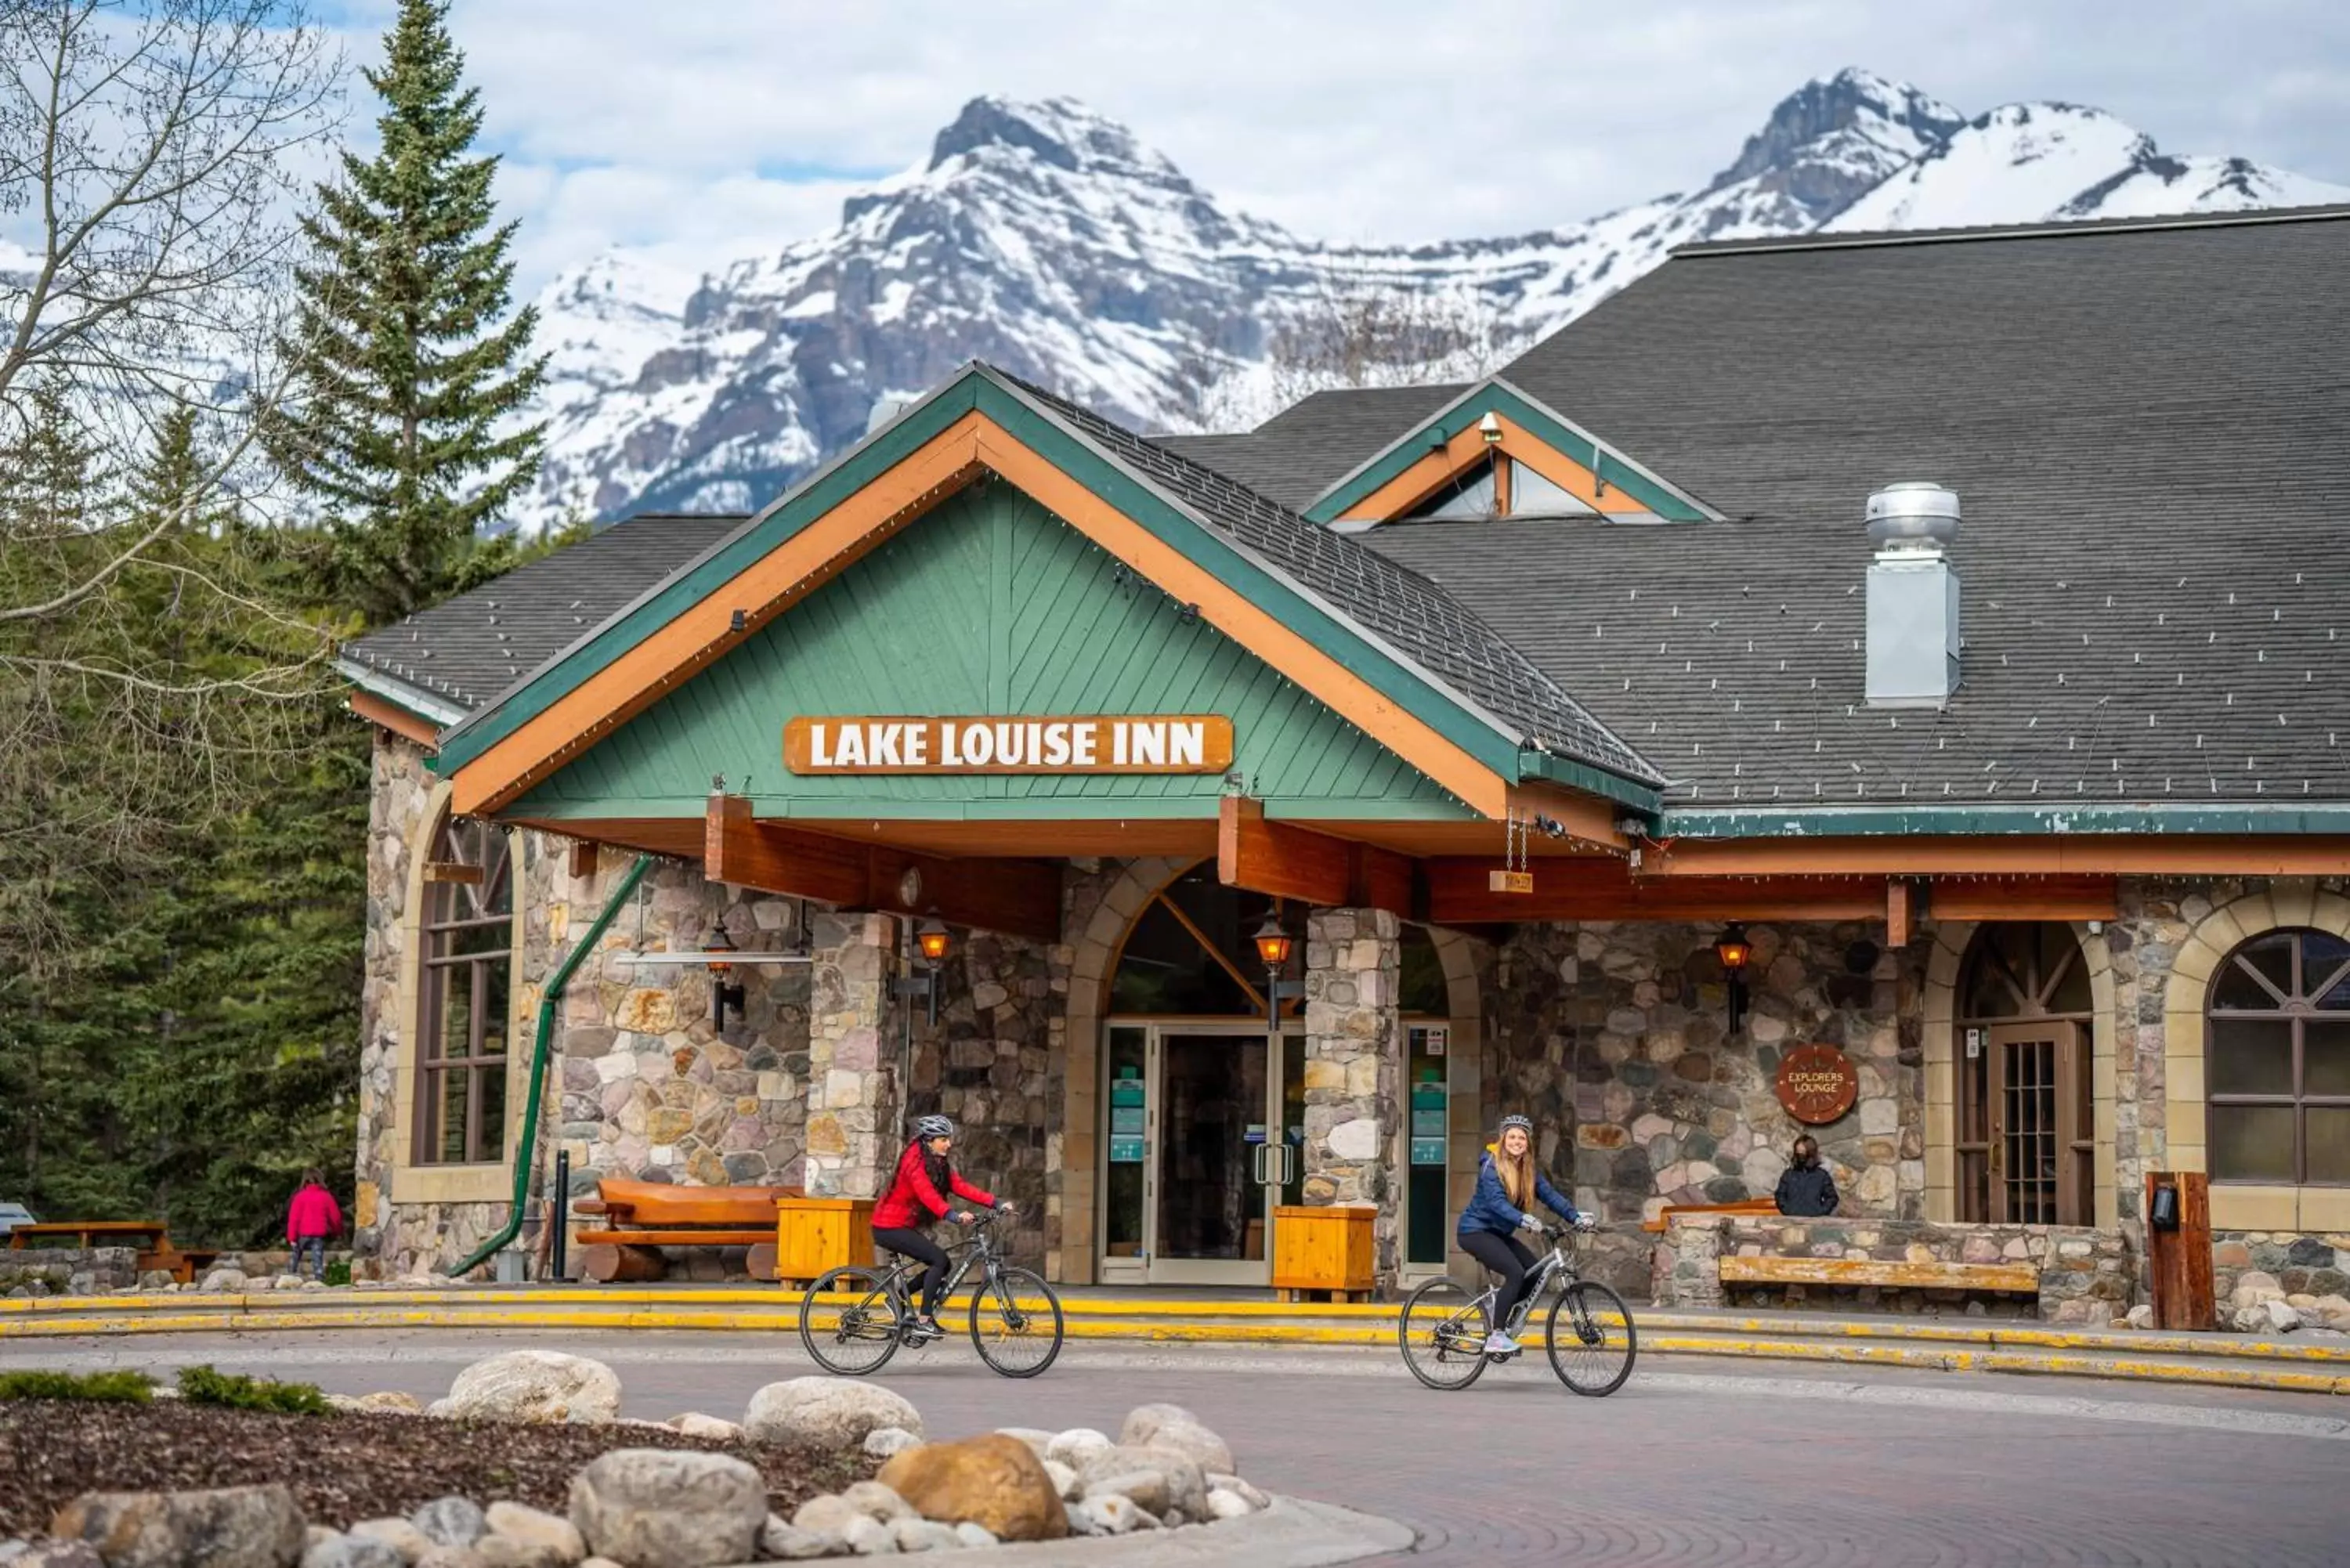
1561	434
1393	628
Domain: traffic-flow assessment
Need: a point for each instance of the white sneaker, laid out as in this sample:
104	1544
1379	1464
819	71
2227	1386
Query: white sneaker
1500	1345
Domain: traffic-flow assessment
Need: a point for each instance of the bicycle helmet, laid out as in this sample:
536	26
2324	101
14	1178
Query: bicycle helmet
1516	1121
934	1127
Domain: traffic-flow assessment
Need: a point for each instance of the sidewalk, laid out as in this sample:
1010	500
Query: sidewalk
2304	1363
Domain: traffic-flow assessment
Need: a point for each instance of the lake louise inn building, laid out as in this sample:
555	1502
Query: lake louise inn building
1891	687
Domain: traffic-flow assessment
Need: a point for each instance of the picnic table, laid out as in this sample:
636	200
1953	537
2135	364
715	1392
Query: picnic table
150	1237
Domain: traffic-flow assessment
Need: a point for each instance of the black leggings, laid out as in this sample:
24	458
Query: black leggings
1504	1255
918	1246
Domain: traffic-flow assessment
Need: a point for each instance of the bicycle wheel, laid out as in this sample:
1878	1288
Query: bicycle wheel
1443	1333
860	1328
1591	1339
1015	1322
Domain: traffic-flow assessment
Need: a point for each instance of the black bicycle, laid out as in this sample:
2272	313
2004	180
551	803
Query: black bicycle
854	1319
1589	1336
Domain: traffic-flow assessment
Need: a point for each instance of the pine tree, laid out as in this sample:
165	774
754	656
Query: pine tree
407	388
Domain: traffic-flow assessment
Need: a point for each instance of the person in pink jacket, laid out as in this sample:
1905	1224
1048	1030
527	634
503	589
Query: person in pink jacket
310	1219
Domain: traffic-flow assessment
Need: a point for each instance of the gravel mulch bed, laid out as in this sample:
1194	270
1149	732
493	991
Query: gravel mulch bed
343	1469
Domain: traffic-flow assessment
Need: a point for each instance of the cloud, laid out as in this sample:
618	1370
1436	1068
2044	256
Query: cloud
696	123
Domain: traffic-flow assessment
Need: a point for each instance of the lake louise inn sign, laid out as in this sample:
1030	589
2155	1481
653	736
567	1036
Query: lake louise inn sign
2022	777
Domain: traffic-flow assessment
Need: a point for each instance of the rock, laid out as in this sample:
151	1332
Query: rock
1234	1484
827	1516
889	1442
534	1385
878	1499
1112	1514
975	1535
223	1282
925	1535
1224	1504
995	1480
2254	1287
1080	1521
537	1528
1036	1439
451	1521
868	1538
352	1552
452	1557
397	1533
1174	1427
2140	1317
780	1540
1185	1487
665	1508
696	1424
231	1527
1147	1489
1073	1447
391	1403
57	1554
1064	1479
2281	1317
826	1413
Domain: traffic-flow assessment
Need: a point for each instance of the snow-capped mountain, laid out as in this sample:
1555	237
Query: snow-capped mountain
1048	240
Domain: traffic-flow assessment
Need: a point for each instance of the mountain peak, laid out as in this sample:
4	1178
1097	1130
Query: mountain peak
1060	132
1891	115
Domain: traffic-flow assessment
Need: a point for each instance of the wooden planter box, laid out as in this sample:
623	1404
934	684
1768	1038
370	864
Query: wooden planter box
814	1235
1326	1248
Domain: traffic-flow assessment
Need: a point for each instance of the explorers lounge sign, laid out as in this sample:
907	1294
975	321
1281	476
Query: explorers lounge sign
1817	1084
1088	744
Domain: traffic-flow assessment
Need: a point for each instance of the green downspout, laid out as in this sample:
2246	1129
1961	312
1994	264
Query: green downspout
526	1156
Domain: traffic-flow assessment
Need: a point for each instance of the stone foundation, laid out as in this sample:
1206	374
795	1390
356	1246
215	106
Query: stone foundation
2087	1276
2300	1265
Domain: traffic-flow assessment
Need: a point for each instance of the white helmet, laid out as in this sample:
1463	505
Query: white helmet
934	1127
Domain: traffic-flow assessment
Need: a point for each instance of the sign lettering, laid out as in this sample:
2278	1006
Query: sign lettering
1091	744
1817	1084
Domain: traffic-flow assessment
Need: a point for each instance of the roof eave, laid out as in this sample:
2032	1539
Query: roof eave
440	710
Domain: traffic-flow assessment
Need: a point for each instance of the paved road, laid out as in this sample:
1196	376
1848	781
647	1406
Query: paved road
1694	1462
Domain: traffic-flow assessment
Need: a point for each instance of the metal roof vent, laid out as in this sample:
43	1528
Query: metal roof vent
1913	598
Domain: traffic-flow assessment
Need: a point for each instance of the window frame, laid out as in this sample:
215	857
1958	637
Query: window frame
2295	1011
443	922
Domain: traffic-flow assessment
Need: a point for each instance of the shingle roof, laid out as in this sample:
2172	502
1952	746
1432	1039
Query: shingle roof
1404	608
1293	457
466	650
2149	427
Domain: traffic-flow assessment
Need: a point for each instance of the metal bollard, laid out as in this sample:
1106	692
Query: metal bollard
562	1216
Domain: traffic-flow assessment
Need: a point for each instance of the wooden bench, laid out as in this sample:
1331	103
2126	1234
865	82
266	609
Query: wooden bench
647	1216
2010	1276
151	1237
1666	1215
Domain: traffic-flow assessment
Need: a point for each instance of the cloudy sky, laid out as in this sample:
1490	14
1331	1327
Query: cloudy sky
707	127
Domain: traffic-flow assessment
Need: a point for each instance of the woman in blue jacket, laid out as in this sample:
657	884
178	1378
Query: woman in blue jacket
1509	1183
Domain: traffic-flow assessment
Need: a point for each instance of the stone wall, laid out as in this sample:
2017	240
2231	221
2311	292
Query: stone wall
68	1271
2086	1275
2301	1265
1611	1035
1352	1069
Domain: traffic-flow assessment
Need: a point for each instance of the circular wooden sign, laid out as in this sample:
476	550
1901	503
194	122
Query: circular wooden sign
1817	1084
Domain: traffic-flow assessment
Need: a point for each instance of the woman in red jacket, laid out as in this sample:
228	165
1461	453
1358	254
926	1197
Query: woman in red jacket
915	1199
311	1219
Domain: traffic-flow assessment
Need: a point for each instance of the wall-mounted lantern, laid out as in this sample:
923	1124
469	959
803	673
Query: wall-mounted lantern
1272	946
932	941
1735	953
721	994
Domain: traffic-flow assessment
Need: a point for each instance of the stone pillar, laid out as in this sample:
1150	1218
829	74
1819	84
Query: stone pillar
1353	1067
854	1096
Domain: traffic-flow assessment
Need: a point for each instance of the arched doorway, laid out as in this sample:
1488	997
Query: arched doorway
2026	1105
1202	1102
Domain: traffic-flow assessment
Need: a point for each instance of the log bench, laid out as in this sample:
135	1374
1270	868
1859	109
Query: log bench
647	1216
2021	1277
1671	1211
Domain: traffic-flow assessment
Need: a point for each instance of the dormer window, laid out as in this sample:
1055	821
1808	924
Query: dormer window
1498	485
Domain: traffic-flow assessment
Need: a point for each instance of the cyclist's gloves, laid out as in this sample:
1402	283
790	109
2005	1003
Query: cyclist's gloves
1535	1225
1586	1222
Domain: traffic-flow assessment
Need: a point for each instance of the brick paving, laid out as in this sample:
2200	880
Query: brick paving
1770	1467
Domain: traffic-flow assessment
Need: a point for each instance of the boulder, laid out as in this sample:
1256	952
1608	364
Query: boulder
2254	1287
534	1385
995	1481
889	1442
870	1538
1111	1514
878	1499
536	1527
827	1516
351	1551
975	1535
925	1536
1147	1489
1224	1504
2140	1317
1073	1447
1254	1497
56	1555
1174	1427
1037	1440
1186	1486
452	1557
832	1413
1064	1479
495	1550
451	1521
223	1282
665	1508
230	1527
397	1533
780	1540
389	1402
693	1423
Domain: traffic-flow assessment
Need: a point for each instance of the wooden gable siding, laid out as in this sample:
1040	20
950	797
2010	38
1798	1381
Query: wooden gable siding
988	605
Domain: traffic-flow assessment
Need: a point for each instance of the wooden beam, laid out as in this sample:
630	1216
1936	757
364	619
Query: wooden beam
2026	898
1597	889
680	836
1896	913
2012	855
1020	898
391	716
1318	869
1587	818
583	857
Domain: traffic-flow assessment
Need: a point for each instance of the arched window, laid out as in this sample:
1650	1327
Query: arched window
2026	1144
462	1016
2277	1067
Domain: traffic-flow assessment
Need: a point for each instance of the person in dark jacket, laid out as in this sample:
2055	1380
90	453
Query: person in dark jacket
917	1196
1805	1188
1509	1183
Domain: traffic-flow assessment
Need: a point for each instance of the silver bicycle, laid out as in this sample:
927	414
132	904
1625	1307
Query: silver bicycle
854	1319
1589	1335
